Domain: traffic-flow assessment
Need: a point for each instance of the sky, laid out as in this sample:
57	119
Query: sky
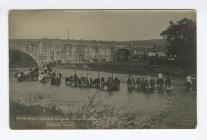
118	25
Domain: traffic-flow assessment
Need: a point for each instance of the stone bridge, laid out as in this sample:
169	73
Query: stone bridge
74	51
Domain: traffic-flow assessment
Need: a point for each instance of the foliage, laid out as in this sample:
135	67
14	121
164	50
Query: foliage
181	36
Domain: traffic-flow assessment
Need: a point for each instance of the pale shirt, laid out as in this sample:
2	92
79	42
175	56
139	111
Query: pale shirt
189	79
19	74
160	75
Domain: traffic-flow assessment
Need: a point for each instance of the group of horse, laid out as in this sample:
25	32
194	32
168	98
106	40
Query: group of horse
148	84
43	76
112	83
28	74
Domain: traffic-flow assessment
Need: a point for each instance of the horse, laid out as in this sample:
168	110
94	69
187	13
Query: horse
189	86
33	75
96	83
42	78
168	84
21	76
86	82
152	84
113	84
69	80
160	83
56	79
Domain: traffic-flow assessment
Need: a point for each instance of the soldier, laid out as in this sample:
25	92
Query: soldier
160	80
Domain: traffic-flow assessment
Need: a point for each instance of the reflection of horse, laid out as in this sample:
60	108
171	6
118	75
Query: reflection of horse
113	84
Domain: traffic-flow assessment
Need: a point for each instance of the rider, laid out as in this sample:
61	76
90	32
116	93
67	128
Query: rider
131	80
19	75
160	79
75	75
26	72
99	79
80	76
99	76
147	81
113	76
45	69
189	82
88	78
76	78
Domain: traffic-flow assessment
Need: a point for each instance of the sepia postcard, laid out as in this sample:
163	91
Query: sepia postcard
102	69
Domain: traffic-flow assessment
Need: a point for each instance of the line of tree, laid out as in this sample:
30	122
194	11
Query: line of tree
181	36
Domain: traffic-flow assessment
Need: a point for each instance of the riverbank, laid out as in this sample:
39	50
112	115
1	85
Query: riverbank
126	68
97	116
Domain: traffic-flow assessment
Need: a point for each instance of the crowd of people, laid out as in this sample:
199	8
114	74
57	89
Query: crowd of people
146	83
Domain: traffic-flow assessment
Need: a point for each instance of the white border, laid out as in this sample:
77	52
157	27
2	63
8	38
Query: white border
195	134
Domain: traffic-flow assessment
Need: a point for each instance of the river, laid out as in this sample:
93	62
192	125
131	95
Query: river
175	109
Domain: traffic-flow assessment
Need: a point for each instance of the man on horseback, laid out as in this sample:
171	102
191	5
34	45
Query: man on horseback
19	75
130	82
147	82
189	82
88	80
160	81
113	83
112	76
75	76
98	81
45	69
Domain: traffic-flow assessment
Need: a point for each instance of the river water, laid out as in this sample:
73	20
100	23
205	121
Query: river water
178	106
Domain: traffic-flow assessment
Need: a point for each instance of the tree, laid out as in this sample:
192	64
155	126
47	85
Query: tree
181	36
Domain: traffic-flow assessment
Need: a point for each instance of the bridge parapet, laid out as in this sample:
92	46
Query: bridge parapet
74	51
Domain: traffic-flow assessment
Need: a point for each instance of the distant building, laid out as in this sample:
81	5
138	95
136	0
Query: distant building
156	54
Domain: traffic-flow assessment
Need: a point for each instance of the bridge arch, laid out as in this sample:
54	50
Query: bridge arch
18	58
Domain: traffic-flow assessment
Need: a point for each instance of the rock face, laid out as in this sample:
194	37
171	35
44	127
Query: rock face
73	51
